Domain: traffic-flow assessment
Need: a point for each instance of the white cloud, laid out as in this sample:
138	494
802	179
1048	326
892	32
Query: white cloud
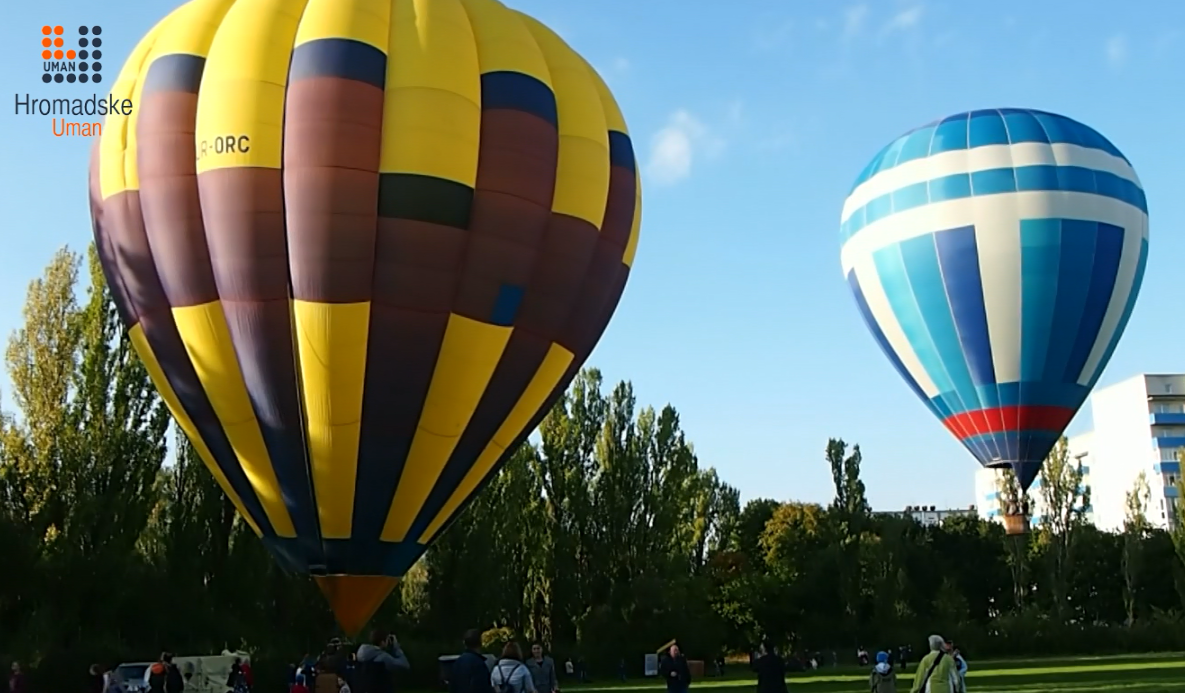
1117	51
674	148
905	19
853	21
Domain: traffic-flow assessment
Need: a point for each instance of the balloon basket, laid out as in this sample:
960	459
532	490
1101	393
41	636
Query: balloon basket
1016	524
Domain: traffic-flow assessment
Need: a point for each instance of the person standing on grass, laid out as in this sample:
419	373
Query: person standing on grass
960	666
542	670
675	672
936	672
510	675
469	672
883	679
771	670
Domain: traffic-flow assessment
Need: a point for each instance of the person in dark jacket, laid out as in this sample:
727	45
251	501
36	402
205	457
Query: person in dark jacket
470	673
675	672
771	670
377	660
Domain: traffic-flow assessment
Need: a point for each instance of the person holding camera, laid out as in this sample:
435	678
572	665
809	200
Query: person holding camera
377	661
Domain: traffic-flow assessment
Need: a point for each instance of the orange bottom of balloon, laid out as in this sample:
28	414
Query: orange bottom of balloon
355	598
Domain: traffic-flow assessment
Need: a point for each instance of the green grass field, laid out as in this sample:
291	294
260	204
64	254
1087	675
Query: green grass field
1163	673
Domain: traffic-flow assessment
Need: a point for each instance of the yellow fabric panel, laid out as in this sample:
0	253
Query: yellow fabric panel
243	83
503	42
546	378
614	120
117	147
331	348
365	21
144	351
191	29
432	99
582	173
631	245
207	340
468	356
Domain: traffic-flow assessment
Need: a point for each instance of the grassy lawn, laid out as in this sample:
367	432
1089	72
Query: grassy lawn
1162	673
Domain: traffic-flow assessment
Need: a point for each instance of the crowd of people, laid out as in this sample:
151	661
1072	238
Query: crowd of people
370	670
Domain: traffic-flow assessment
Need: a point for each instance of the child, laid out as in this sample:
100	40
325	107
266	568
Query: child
342	686
299	686
883	678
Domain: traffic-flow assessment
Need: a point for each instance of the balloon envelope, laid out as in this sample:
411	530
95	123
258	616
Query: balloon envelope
996	256
361	247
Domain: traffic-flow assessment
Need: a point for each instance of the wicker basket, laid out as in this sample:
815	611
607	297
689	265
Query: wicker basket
1016	524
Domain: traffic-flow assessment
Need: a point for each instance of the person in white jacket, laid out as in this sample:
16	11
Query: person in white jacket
510	675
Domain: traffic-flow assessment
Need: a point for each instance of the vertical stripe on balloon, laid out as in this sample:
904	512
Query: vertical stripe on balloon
332	136
427	172
243	344
164	130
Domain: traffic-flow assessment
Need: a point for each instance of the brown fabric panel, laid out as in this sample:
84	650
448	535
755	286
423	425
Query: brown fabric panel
584	324
104	246
169	197
511	207
559	278
332	142
417	264
244	215
243	210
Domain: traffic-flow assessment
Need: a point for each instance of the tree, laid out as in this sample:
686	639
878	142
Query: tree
1135	530
1065	500
850	512
1011	495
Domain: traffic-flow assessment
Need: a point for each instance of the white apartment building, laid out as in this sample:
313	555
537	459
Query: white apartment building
988	483
928	515
1139	426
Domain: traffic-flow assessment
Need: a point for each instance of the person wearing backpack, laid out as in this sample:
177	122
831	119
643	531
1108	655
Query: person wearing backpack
510	675
158	674
883	679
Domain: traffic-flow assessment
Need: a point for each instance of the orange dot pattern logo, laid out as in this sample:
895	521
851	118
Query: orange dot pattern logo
70	65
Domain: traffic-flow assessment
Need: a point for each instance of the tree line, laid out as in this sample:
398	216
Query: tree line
604	537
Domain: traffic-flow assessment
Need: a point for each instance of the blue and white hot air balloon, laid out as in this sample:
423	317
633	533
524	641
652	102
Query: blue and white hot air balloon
996	256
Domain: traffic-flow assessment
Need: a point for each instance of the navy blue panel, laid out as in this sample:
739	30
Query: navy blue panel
958	255
621	151
1076	179
510	297
519	92
883	343
338	57
1108	250
987	127
176	72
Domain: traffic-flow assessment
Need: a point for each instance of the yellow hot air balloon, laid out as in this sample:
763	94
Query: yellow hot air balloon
361	246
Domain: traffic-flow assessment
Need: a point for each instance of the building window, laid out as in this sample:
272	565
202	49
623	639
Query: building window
1168	387
1168	454
1173	479
1160	409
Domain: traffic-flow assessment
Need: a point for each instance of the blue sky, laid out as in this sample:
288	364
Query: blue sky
752	122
